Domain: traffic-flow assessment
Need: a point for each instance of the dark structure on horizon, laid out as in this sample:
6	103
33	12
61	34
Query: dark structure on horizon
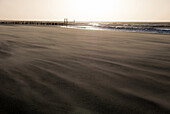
66	22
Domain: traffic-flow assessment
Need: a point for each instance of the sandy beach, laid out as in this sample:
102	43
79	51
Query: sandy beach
54	70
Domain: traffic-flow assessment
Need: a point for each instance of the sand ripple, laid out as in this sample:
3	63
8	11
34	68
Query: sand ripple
57	70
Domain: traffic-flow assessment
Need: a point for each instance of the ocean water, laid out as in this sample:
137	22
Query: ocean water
157	27
51	70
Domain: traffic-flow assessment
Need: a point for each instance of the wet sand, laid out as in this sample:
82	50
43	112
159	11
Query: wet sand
50	70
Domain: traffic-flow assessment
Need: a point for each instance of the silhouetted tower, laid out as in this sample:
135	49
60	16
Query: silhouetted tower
65	21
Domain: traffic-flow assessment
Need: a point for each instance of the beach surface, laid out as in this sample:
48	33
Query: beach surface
53	70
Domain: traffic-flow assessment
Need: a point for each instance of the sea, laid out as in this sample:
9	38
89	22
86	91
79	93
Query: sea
148	27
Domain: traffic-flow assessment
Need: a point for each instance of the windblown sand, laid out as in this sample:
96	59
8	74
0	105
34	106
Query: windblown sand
52	70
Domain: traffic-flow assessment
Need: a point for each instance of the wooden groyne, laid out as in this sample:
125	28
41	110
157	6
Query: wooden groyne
36	23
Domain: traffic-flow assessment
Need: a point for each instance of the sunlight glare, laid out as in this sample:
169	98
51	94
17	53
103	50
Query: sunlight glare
94	8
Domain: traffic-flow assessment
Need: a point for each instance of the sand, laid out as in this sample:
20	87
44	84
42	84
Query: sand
53	70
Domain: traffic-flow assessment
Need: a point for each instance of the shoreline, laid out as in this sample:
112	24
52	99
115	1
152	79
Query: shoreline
65	27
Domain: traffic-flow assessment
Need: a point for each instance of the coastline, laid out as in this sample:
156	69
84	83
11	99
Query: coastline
139	27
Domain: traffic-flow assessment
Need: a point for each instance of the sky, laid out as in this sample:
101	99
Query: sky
86	10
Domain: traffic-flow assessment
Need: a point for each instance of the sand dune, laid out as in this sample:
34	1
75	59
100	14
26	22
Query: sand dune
52	70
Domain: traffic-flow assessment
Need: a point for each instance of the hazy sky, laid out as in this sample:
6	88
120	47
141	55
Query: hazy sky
97	10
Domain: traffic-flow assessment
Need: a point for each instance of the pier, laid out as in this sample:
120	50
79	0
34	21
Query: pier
45	23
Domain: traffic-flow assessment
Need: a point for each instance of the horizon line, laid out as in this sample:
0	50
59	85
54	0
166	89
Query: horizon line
85	20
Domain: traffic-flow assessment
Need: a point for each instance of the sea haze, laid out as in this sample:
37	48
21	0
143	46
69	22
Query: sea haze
54	70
